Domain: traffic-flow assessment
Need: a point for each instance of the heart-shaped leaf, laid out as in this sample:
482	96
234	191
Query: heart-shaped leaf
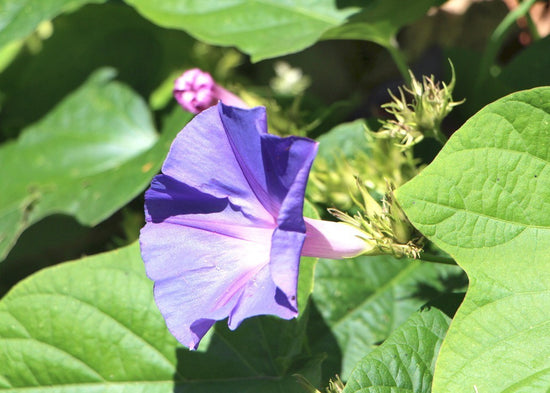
406	360
92	325
364	299
91	155
486	201
261	28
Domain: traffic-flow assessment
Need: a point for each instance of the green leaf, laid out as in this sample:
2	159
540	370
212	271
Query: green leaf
84	324
363	300
345	140
380	20
92	325
18	18
406	360
261	28
8	53
91	155
485	200
142	53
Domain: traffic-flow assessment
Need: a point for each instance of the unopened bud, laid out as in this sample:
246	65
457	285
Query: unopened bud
196	90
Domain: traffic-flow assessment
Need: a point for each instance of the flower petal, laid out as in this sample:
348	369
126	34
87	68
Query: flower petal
202	157
168	200
202	276
334	240
290	161
271	164
284	263
261	297
287	163
244	132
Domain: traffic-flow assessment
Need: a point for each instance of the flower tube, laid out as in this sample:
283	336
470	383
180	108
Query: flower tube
196	90
224	226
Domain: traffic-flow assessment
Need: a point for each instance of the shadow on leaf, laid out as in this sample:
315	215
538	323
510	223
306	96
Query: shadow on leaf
263	354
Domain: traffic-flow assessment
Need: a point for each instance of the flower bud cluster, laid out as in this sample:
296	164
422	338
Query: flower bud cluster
346	184
420	115
385	225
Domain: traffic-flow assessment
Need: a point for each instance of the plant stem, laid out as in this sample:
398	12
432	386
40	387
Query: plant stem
496	40
399	60
427	257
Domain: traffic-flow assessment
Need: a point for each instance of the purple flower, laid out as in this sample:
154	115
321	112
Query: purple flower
225	230
196	90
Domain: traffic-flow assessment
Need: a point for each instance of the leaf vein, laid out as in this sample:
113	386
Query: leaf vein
80	361
106	314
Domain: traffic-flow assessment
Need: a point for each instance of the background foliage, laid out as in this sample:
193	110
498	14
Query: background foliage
86	120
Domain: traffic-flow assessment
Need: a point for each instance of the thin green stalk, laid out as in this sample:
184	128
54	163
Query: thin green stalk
427	257
496	40
399	60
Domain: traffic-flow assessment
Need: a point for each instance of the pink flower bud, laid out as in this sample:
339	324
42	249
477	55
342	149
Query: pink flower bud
196	90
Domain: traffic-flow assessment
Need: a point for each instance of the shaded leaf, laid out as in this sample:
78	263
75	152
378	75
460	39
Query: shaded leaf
8	53
261	28
380	20
18	18
406	360
92	325
91	155
345	140
526	70
142	54
529	68
363	300
485	200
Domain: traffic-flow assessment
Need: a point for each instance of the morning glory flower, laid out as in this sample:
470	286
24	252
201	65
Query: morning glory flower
224	227
196	90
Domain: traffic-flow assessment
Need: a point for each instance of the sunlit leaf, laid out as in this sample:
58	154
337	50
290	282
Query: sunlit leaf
261	28
485	200
92	325
406	360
